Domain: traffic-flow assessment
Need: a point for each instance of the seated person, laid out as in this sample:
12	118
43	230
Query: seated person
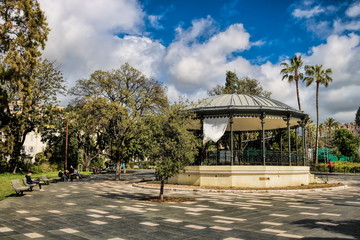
71	173
30	181
62	176
77	173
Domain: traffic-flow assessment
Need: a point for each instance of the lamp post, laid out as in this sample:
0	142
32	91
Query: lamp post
66	145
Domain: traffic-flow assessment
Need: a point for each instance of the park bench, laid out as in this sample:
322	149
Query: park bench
47	180
18	188
55	179
30	185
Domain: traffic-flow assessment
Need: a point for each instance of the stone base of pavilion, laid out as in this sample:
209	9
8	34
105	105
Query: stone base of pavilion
243	176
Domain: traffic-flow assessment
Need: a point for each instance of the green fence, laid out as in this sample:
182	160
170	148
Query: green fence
326	155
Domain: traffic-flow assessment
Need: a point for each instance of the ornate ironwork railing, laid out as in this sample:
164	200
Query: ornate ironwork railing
253	157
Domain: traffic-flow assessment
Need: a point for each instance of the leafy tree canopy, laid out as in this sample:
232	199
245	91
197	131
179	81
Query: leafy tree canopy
35	114
114	103
23	33
346	142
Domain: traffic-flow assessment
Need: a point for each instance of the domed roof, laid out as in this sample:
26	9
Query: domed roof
244	104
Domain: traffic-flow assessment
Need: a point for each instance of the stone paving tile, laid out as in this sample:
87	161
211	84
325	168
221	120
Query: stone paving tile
219	215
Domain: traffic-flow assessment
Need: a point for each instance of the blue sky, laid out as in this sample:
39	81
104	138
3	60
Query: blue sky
189	45
270	22
284	30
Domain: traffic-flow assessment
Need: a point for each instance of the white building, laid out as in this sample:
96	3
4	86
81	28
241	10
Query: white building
33	145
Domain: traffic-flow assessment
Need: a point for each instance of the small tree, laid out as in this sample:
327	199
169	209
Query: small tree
172	146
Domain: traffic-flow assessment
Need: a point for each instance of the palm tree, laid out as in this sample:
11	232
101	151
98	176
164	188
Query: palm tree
331	124
321	77
292	73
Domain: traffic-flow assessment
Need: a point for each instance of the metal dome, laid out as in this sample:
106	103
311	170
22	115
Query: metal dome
244	104
246	110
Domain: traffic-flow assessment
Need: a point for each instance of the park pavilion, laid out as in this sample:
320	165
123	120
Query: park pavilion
233	118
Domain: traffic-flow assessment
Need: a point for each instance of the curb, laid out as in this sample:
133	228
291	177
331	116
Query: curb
242	191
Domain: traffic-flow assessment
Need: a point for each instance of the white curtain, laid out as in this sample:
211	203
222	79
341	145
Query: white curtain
214	128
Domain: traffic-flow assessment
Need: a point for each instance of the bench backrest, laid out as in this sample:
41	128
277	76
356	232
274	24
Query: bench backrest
24	181
44	177
16	183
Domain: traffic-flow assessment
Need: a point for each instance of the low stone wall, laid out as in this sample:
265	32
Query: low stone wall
243	176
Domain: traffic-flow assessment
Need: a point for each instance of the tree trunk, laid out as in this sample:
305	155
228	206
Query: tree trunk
118	171
317	124
297	94
16	154
161	196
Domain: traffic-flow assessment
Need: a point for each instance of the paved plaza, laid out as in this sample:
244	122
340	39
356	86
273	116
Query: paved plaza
100	208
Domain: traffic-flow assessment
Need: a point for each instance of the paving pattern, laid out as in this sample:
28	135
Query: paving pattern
101	208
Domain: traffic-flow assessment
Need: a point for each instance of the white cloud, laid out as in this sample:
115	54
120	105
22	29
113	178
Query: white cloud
155	21
83	36
84	39
194	65
341	26
353	10
342	55
200	27
299	13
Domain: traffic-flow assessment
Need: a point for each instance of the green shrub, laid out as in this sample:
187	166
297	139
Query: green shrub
43	167
340	167
131	165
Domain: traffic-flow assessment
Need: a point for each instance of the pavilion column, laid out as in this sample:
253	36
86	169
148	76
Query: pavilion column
302	124
262	118
241	148
289	138
281	147
201	150
296	145
304	144
231	140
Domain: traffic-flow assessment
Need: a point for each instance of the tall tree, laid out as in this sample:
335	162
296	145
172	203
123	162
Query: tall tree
320	76
128	96
230	82
91	118
331	124
244	85
32	116
357	117
291	72
23	33
172	146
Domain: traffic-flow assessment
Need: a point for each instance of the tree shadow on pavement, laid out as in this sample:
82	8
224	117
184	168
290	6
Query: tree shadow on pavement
349	228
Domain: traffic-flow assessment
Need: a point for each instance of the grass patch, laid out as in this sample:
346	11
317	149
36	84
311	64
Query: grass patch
5	181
